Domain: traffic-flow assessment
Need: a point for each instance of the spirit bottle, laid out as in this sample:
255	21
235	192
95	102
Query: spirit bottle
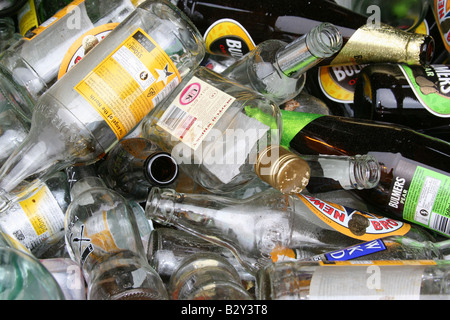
278	70
212	127
82	116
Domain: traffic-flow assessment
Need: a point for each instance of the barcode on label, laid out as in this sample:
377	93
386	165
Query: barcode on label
172	117
166	91
440	223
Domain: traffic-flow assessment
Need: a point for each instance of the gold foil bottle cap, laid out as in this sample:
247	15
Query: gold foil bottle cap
282	169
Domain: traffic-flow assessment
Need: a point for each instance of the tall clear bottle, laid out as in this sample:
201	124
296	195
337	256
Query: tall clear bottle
259	229
278	69
84	114
372	280
102	236
212	127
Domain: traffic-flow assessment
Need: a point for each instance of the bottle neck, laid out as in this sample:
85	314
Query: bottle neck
305	52
293	123
357	172
444	249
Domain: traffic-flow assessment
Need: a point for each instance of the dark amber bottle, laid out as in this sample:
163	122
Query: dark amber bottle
233	27
415	96
415	178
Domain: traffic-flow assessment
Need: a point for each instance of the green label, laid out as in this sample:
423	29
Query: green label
428	200
431	85
293	123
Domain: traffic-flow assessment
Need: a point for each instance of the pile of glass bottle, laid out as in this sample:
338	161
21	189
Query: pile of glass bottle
144	160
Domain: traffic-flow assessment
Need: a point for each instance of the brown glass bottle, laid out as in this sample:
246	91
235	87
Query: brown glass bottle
415	178
387	92
251	22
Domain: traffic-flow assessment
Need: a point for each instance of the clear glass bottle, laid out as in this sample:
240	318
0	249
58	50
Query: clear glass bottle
206	276
212	127
372	280
23	277
102	236
330	172
84	114
135	165
168	247
38	221
277	69
254	229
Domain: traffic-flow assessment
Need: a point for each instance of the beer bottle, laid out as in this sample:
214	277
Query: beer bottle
415	172
414	96
233	27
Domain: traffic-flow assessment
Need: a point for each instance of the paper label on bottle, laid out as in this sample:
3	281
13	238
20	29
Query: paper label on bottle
441	9
373	281
353	223
27	18
356	251
57	16
34	220
98	231
77	51
431	86
127	85
195	111
228	37
338	82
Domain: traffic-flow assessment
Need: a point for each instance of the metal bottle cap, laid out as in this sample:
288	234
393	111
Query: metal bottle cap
282	169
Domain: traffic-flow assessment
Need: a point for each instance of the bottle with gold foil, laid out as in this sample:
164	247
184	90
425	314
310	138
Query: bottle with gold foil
236	27
211	126
88	111
259	228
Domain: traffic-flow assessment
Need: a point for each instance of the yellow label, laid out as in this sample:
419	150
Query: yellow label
77	51
353	223
28	19
61	13
338	82
380	263
282	254
99	234
228	37
43	212
127	85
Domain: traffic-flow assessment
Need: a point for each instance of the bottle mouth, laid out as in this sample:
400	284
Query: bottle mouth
160	205
162	169
367	171
324	40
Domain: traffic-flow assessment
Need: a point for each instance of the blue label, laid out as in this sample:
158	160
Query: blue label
356	251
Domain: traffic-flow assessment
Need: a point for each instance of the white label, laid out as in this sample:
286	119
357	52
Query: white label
195	111
367	282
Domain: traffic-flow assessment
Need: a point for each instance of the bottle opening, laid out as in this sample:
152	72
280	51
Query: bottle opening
162	169
325	40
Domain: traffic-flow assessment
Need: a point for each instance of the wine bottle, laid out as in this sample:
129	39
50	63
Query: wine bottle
414	96
236	27
415	173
